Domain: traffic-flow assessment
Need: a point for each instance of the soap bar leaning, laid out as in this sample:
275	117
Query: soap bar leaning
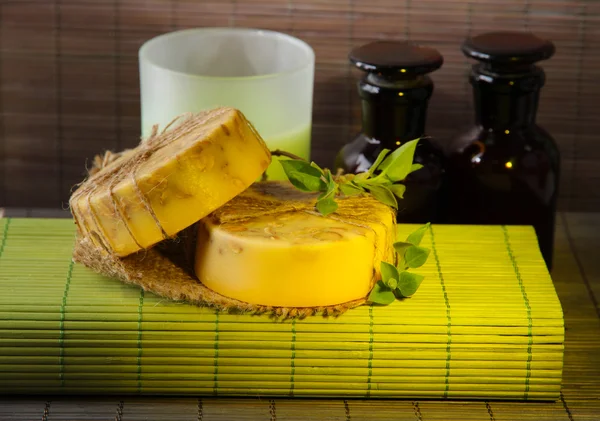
170	181
268	246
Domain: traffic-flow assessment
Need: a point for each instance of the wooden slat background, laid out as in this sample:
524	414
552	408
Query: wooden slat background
69	83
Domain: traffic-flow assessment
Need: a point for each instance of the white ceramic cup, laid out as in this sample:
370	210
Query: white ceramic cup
267	75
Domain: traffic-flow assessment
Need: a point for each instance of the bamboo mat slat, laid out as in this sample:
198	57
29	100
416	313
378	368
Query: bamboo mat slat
486	324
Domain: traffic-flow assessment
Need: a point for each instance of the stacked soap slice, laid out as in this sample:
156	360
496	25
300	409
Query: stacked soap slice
268	246
170	181
486	323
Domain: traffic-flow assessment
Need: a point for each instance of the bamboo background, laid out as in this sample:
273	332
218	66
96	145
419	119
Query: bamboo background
69	83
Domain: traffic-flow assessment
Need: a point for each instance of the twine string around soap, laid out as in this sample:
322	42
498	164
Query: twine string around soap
146	205
97	179
113	168
118	209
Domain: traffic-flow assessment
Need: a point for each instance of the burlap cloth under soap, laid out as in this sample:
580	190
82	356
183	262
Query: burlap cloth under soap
167	269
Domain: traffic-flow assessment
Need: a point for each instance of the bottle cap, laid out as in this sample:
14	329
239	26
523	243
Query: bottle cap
505	48
396	58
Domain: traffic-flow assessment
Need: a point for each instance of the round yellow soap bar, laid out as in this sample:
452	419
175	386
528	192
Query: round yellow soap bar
268	246
170	181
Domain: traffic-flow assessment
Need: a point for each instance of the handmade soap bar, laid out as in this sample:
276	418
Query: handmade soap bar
269	246
170	181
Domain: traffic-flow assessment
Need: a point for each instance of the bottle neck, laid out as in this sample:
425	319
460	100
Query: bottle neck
396	112
504	101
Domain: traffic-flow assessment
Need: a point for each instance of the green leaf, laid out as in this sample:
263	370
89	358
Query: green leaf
416	256
326	201
378	161
380	180
351	189
361	177
381	294
398	164
401	248
302	175
331	184
409	283
392	283
384	195
398	190
415	167
388	271
416	237
326	205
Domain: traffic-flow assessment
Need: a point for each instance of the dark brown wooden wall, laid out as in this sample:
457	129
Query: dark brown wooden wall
69	75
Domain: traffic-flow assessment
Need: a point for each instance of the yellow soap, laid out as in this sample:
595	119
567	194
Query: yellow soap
269	246
170	181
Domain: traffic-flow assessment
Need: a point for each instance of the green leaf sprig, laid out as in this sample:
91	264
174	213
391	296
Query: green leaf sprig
382	180
397	281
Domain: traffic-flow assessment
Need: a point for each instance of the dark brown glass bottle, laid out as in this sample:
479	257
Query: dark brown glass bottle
505	169
395	93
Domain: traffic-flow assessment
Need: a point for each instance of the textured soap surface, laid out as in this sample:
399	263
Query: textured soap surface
170	181
268	246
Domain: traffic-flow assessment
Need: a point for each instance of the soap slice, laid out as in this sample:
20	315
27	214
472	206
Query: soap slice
170	181
268	246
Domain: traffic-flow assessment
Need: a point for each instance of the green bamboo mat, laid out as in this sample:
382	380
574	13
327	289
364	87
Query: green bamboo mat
485	324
